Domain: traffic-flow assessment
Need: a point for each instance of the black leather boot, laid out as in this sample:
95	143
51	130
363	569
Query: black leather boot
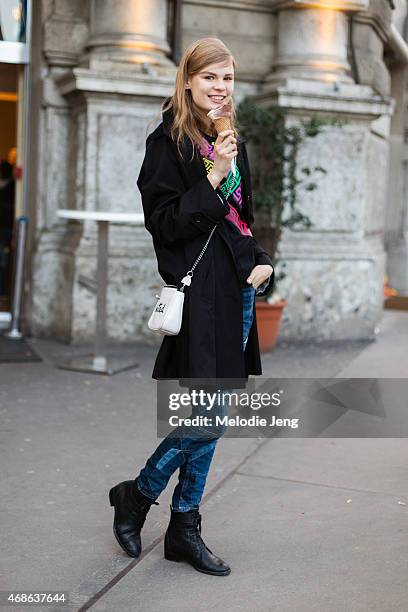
183	542
131	508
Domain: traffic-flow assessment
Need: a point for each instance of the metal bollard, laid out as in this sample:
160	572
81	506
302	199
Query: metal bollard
22	223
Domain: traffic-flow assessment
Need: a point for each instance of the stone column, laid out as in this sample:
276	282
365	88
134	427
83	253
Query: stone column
397	210
311	44
334	270
129	33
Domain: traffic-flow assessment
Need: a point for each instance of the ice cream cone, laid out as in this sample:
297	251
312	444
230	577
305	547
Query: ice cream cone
222	121
221	124
220	116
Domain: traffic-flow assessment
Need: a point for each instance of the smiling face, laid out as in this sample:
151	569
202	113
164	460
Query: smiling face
210	87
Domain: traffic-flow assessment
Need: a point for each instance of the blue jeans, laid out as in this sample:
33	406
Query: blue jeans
191	454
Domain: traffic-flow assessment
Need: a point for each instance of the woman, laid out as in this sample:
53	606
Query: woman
187	187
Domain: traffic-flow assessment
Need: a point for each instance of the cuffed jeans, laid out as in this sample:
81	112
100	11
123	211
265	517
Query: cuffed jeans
192	453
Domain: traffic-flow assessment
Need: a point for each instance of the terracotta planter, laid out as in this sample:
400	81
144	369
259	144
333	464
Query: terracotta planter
268	317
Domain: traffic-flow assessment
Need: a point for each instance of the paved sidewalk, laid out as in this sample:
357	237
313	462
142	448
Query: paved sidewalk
306	524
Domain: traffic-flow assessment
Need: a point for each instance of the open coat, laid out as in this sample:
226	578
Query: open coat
180	208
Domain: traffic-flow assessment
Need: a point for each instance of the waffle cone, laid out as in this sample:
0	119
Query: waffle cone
222	123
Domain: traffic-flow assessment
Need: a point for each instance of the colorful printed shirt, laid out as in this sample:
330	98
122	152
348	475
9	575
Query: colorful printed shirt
239	234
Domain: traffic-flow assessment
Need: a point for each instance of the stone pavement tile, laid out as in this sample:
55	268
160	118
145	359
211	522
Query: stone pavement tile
387	357
292	547
371	465
311	359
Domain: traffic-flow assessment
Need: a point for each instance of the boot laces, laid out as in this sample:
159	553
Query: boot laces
198	528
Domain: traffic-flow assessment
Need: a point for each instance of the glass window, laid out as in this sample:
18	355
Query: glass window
13	20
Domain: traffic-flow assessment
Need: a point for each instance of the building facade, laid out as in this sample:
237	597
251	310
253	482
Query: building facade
99	72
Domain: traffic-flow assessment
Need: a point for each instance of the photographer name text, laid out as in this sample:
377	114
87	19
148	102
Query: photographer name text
233	421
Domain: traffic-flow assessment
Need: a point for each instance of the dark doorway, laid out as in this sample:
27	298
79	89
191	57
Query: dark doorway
8	153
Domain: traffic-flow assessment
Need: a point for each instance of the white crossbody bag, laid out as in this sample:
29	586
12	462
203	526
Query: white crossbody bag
168	313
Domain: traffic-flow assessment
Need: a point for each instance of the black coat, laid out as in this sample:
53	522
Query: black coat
180	208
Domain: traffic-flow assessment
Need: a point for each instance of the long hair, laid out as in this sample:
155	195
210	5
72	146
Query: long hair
186	119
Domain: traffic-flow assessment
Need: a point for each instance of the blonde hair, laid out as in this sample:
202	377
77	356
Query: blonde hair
186	119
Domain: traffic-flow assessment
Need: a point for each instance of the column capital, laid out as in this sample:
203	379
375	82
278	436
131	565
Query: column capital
86	82
307	97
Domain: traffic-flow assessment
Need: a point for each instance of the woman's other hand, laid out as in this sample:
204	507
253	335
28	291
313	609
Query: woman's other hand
259	274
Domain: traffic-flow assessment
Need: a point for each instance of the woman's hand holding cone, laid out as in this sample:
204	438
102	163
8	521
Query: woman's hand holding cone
225	149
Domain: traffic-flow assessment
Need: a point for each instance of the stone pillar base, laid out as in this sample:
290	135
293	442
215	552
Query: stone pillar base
334	287
111	117
335	270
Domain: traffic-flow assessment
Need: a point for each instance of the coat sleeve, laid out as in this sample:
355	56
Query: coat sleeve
261	256
172	213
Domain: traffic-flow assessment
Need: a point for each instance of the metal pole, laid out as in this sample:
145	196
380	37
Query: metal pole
99	360
14	332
